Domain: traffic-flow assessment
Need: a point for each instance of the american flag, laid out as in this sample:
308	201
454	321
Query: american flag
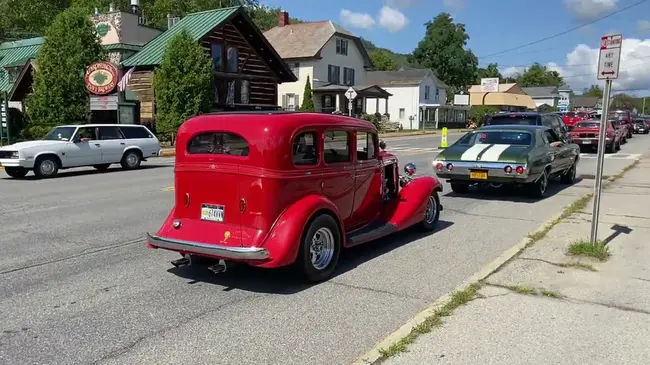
125	79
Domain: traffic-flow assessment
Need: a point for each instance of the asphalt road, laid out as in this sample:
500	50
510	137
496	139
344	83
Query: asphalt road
78	285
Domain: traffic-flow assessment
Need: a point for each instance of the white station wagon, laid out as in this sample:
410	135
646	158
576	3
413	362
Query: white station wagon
97	145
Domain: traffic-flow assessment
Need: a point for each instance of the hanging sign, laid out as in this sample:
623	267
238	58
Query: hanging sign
101	78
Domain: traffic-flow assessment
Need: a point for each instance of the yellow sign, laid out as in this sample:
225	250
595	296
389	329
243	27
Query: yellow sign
443	139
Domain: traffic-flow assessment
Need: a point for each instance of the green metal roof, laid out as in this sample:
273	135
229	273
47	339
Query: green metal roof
122	47
196	24
13	52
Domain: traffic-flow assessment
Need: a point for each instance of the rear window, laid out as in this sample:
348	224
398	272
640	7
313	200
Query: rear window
497	137
588	125
517	119
582	115
218	143
135	132
570	114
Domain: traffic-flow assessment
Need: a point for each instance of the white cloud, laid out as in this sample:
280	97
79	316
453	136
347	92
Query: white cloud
392	19
401	4
357	20
585	10
454	4
643	26
581	66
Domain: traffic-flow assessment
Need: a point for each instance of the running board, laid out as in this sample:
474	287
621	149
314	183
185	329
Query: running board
370	233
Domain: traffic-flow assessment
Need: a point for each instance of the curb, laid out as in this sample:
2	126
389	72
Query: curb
374	355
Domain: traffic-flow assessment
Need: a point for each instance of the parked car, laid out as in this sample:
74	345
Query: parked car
586	135
282	188
624	117
621	129
640	126
97	145
521	155
550	120
571	118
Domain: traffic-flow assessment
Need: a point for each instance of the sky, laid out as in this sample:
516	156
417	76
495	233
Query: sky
497	26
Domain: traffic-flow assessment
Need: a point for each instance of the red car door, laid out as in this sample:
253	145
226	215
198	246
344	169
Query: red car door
367	180
338	172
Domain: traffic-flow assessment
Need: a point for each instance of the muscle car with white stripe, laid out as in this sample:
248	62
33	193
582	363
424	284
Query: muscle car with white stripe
497	155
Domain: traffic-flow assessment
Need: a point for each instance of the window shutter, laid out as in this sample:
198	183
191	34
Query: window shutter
297	98
352	77
284	101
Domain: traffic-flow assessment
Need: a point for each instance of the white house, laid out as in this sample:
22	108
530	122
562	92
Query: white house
549	95
332	57
417	94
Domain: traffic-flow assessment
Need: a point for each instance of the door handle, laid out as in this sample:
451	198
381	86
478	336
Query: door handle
122	143
97	144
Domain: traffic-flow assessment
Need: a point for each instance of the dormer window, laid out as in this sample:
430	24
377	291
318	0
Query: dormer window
342	46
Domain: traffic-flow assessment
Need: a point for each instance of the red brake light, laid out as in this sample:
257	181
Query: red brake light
508	169
520	170
450	166
439	166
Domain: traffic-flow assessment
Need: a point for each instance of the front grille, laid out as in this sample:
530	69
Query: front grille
587	135
6	154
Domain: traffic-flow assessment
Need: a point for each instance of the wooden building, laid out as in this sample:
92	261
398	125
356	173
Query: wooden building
247	70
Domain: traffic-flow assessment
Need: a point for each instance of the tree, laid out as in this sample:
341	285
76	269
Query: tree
443	50
382	61
492	70
307	98
538	75
628	102
266	17
594	90
60	95
183	83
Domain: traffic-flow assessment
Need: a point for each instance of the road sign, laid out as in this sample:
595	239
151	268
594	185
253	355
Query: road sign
490	85
443	140
609	57
350	93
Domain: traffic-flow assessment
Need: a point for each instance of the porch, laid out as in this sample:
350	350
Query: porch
331	98
436	116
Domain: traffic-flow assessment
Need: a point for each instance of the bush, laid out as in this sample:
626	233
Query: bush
478	113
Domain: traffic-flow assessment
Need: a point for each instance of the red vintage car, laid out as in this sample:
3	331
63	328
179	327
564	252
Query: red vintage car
272	189
586	135
571	118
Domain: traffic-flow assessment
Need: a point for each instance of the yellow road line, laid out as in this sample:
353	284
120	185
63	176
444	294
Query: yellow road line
169	188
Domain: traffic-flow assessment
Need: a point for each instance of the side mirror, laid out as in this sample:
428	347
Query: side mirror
410	169
382	145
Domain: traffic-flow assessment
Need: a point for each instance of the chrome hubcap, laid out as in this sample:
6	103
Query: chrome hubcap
321	249
131	159
432	208
47	167
543	183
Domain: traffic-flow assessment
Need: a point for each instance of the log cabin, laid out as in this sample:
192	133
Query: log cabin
247	69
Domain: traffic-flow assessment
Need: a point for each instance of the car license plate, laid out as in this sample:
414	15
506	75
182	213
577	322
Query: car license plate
214	213
480	175
586	141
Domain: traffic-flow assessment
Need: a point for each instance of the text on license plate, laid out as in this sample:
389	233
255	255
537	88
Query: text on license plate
210	212
586	141
482	175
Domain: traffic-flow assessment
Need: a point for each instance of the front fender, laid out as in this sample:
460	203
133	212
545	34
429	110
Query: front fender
409	206
283	241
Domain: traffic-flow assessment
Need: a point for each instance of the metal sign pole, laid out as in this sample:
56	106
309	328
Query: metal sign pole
599	165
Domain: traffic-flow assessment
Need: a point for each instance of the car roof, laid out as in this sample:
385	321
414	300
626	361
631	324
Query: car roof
522	113
100	125
517	127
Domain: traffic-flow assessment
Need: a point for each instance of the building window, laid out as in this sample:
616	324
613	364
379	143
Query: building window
437	99
348	76
334	74
217	57
290	102
342	46
402	113
233	59
295	68
427	92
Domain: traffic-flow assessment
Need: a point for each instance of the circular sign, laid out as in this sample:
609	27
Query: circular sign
101	78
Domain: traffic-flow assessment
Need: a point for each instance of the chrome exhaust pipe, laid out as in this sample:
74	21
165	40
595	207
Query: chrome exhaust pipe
219	267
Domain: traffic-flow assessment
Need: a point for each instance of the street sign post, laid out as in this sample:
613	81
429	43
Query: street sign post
608	67
351	94
443	139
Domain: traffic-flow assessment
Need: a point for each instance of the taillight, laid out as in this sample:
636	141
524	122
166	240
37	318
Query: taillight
520	170
508	169
439	166
450	166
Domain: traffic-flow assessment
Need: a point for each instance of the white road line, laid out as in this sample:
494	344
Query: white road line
472	153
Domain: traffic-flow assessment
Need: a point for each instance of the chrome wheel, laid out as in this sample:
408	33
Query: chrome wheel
543	183
432	208
47	167
132	160
321	249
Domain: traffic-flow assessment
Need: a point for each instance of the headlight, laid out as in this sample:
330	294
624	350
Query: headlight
14	154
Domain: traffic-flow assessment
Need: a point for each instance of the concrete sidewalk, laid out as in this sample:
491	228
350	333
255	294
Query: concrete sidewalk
546	307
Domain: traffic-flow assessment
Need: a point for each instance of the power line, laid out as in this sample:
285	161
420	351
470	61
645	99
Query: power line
568	30
633	58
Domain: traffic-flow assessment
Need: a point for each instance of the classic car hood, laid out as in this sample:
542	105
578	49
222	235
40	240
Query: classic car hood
28	144
486	153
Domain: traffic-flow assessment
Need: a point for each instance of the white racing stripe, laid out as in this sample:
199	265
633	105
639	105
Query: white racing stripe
472	153
493	154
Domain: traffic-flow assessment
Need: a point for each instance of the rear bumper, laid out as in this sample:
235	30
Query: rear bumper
225	252
495	171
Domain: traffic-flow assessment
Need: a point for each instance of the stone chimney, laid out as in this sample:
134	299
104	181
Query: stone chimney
283	18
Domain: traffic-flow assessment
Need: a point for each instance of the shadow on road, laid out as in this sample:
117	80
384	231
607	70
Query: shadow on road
512	193
288	280
75	173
